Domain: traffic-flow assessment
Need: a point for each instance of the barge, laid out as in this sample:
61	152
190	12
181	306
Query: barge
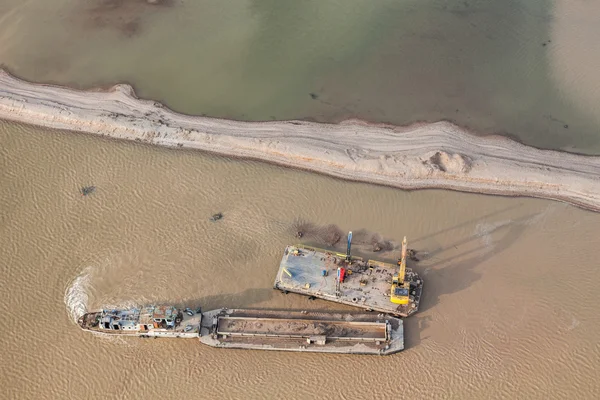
303	331
300	331
373	285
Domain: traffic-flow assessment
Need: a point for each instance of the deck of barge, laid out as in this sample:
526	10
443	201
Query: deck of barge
313	331
366	285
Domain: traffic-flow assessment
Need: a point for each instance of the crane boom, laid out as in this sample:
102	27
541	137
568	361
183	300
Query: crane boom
399	290
402	271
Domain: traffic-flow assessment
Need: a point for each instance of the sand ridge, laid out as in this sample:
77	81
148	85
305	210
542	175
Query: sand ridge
437	155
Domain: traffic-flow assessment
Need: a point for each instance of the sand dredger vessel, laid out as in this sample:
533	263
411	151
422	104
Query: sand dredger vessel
342	278
308	331
393	290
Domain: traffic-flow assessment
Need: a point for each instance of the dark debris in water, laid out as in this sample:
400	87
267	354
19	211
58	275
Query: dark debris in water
216	217
87	190
121	15
331	235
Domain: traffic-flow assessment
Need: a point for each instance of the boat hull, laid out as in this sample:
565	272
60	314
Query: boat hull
275	330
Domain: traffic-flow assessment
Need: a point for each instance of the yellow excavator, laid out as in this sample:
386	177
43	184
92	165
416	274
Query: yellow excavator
400	288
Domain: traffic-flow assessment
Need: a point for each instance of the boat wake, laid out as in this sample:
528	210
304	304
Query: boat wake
77	294
485	230
113	339
81	294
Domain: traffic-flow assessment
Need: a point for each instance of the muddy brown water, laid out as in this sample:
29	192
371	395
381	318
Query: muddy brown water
509	308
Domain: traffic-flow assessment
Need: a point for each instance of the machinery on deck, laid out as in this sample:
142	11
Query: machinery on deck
400	288
389	288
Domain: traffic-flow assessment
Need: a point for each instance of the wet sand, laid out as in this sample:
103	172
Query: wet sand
438	155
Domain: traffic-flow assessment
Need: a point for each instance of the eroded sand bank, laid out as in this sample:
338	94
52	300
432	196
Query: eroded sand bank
439	155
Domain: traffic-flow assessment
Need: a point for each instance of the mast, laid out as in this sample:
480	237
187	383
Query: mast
349	244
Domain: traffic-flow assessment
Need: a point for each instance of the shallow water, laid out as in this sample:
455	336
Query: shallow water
514	67
509	308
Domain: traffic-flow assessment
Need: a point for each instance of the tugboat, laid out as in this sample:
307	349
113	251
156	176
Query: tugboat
156	321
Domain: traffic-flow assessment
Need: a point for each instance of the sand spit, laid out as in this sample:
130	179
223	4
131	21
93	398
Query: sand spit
438	155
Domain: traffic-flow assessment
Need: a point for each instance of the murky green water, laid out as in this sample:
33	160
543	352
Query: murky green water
488	65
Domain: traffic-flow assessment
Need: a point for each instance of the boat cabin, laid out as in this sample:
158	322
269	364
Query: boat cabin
160	317
145	319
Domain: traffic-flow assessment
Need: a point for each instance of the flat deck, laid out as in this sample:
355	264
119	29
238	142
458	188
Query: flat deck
301	328
363	287
310	331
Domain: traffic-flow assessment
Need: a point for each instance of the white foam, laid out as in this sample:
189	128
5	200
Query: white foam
77	294
113	339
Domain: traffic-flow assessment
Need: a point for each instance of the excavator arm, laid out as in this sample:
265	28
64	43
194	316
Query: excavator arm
402	271
399	290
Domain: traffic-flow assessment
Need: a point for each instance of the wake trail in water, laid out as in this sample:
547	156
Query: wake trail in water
81	290
485	230
77	294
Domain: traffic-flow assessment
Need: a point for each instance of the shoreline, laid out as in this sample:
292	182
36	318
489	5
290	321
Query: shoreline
438	155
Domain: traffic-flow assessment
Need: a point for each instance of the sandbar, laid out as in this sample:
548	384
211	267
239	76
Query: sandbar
434	155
